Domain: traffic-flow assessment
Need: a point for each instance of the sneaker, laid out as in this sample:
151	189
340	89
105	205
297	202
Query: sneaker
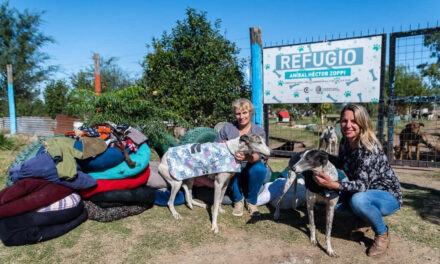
238	208
252	209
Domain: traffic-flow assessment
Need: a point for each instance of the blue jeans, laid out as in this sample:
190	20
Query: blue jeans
248	182
371	205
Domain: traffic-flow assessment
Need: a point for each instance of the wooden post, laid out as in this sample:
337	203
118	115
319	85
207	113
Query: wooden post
12	119
97	75
257	74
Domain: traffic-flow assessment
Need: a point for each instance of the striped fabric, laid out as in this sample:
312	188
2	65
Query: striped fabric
67	202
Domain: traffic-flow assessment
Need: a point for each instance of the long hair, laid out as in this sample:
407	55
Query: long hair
243	103
362	118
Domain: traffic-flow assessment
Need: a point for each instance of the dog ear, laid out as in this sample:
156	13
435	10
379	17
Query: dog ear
323	157
421	124
245	138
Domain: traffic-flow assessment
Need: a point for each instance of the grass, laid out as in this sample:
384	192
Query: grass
154	233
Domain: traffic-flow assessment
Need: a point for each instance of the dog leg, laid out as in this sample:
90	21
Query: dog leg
175	187
408	156
310	204
417	152
217	194
330	210
187	187
224	184
291	176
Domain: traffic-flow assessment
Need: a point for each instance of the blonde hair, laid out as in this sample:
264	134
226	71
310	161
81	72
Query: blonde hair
244	104
362	119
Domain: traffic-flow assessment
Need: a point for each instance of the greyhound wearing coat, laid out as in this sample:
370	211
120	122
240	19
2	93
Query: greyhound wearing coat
245	143
311	162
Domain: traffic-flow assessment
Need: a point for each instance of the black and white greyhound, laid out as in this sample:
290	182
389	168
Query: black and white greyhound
310	162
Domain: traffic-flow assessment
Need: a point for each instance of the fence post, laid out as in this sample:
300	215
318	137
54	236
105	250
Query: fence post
257	74
12	119
97	75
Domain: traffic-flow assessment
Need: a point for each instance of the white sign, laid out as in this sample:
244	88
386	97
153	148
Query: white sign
340	71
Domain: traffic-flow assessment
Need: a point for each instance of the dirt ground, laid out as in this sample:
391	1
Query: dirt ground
240	247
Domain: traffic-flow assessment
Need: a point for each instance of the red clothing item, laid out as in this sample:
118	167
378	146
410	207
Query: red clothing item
117	184
29	194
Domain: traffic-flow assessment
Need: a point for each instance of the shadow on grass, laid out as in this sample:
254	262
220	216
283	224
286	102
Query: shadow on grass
426	201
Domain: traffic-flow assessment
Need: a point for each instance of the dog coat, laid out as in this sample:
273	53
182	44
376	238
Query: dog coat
194	160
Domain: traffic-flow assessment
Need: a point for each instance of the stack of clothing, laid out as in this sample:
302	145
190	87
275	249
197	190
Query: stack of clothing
106	164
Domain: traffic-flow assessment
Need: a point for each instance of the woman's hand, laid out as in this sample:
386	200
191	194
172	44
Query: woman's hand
324	180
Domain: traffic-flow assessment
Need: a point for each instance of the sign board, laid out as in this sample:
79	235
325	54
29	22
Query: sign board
339	71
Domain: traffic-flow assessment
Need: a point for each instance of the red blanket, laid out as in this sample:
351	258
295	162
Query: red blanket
117	184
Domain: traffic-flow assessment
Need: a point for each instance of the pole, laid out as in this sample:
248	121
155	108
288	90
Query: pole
257	74
97	75
12	119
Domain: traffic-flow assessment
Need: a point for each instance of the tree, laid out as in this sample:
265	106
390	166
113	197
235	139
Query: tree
112	77
56	97
431	71
20	43
194	71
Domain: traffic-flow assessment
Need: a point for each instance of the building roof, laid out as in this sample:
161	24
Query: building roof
284	114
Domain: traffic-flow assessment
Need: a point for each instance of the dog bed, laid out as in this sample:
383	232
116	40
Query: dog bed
140	195
155	180
117	184
114	213
163	195
108	159
199	135
30	194
121	171
33	227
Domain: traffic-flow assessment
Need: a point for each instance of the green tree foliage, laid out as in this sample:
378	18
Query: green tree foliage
431	70
20	45
56	97
112	77
194	71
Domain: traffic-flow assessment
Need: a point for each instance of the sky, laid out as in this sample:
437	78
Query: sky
123	29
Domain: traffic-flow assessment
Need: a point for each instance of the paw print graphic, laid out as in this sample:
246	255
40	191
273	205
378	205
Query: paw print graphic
374	100
301	48
347	94
280	83
267	66
376	47
268	92
295	94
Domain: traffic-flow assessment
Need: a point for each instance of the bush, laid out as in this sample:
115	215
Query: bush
6	143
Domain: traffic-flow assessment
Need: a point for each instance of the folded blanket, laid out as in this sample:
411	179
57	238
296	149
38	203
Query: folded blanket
142	194
36	227
121	171
115	213
29	194
117	184
42	166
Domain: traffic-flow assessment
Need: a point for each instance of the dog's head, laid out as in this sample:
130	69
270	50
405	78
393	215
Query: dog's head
414	127
312	159
253	143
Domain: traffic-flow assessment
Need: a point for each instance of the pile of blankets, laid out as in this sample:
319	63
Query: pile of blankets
98	172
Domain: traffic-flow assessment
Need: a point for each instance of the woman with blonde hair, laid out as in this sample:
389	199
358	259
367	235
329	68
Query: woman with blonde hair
244	186
372	189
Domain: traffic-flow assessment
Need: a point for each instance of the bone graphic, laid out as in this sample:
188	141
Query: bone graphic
372	74
293	85
360	97
331	98
276	99
307	99
350	82
279	75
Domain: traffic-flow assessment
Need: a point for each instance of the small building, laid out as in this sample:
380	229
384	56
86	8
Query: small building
283	116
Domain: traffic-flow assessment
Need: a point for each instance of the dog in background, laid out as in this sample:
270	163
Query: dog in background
410	136
245	143
330	139
308	163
